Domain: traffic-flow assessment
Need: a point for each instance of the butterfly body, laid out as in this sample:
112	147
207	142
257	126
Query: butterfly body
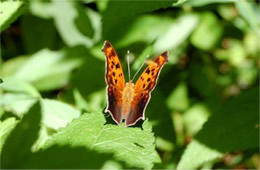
128	101
127	96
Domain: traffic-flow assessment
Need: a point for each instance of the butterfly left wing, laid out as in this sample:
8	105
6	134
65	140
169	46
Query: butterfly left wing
143	88
115	82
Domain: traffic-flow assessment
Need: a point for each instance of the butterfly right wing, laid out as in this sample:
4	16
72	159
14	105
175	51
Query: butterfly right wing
143	88
115	82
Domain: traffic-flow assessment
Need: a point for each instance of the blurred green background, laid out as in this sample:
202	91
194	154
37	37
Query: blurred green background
204	112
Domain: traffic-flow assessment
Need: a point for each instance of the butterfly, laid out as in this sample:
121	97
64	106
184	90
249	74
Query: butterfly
128	101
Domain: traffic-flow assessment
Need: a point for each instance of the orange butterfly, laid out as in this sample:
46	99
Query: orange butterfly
128	101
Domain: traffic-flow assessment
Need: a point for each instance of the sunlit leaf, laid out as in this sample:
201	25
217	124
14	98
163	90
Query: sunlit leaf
10	11
50	69
133	145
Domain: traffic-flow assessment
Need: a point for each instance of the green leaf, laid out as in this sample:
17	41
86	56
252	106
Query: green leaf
55	114
24	134
16	103
131	145
128	8
48	70
179	31
144	28
195	117
198	3
12	84
208	32
74	23
41	8
250	12
81	103
196	154
6	127
10	11
233	127
178	99
10	66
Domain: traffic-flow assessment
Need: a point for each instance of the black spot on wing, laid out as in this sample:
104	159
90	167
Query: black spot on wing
149	86
147	71
117	66
114	74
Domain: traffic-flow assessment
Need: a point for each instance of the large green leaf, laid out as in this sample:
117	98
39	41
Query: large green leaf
12	84
128	8
55	114
131	29
176	34
50	69
17	151
233	127
9	11
133	145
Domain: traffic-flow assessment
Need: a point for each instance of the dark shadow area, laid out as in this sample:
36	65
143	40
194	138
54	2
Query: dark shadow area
90	77
236	125
131	8
116	27
66	157
17	154
17	147
82	21
158	112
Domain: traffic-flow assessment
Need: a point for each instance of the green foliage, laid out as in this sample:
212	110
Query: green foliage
9	11
203	112
238	131
132	145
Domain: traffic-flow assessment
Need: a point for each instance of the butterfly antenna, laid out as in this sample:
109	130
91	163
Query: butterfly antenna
128	63
140	67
